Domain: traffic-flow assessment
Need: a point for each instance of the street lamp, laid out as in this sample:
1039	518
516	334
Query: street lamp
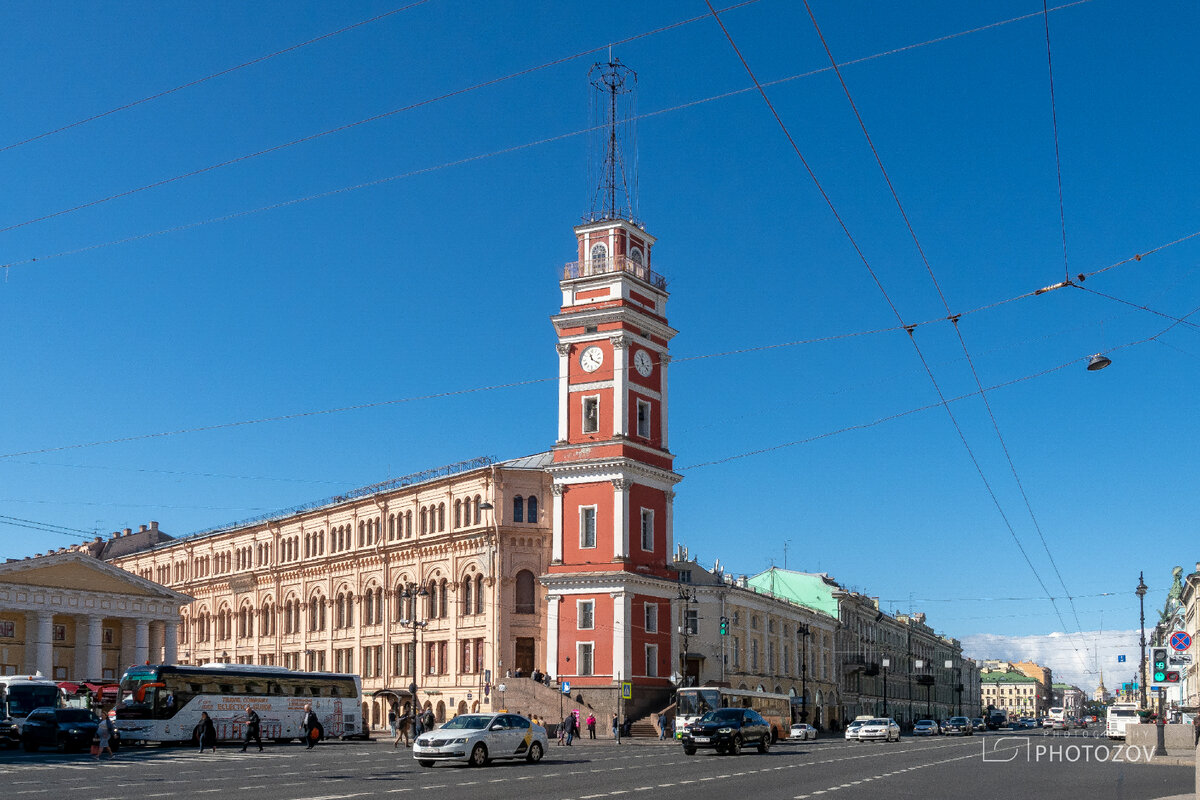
1141	593
685	631
409	594
885	663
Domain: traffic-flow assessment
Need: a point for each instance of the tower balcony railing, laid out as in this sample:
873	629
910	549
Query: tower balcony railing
604	266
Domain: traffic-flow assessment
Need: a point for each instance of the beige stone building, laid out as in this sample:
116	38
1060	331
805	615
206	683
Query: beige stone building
73	618
333	586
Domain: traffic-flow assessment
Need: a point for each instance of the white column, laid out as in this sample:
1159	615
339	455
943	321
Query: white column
620	385
170	642
156	642
621	518
95	653
564	395
622	604
45	643
128	653
556	555
663	360
670	524
141	641
552	604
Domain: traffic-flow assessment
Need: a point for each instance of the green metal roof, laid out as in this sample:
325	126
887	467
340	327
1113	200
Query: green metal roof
804	588
1005	677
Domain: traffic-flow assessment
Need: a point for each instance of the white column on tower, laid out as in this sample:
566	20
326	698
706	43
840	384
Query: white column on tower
552	604
622	604
621	517
620	385
663	360
556	553
564	394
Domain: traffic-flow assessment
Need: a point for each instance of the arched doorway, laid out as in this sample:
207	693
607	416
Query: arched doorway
475	707
462	707
440	714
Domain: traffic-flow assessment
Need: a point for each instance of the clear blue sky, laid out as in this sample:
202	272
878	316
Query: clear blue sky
443	282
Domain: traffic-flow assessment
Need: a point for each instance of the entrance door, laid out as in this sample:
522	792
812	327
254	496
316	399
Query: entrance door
525	653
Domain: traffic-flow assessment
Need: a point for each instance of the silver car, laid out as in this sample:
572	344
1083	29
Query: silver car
803	732
882	729
480	738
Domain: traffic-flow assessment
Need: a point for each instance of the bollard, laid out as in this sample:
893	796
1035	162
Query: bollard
1160	738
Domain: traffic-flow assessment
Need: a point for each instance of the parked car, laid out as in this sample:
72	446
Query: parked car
726	730
879	729
1048	722
479	738
978	724
958	725
803	731
852	729
65	728
926	727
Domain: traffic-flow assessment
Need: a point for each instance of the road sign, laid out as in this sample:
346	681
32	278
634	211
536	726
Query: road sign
487	676
1180	659
566	687
1120	659
468	695
501	688
626	690
1180	641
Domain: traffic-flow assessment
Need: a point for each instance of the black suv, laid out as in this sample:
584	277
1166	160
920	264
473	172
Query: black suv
65	728
726	730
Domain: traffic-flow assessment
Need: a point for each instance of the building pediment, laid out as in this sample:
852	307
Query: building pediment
78	571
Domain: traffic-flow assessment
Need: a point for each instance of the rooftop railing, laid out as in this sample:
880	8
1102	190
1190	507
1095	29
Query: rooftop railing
604	266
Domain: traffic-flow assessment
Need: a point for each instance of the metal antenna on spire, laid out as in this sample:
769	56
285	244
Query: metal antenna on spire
614	161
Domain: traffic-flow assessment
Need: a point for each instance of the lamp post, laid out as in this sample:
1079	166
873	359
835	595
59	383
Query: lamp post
957	682
685	630
803	630
409	595
1141	593
920	664
885	663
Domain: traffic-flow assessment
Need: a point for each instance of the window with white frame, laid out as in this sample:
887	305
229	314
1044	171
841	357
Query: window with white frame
587	526
647	529
584	658
591	414
692	622
652	661
643	418
586	614
651	618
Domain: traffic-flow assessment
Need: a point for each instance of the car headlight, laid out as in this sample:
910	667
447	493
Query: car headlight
73	731
459	740
724	730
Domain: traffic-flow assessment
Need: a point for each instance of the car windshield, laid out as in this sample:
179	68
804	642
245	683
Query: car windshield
74	715
959	720
470	722
698	701
723	715
924	722
878	722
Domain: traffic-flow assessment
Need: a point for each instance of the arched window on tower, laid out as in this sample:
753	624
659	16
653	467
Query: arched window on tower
518	509
599	260
531	509
525	592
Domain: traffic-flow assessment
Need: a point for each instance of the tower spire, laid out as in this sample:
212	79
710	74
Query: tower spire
614	163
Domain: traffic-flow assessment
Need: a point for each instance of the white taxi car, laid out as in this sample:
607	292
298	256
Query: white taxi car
480	738
879	729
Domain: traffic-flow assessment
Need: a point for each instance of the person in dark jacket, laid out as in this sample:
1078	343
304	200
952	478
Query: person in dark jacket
311	727
253	730
206	732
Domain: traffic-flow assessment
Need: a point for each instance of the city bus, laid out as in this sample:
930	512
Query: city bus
693	702
1055	714
20	694
162	703
1120	715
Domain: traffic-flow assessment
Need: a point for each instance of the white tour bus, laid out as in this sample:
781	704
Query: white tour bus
1120	715
162	703
20	694
693	702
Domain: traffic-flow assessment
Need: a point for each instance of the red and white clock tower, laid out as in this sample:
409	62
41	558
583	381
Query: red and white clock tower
610	590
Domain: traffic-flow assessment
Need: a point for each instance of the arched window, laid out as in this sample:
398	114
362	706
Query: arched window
531	509
368	602
478	594
349	609
340	618
518	509
478	513
408	522
379	605
525	592
362	529
599	256
431	611
442	600
441	517
635	255
424	520
458	513
467	608
391	527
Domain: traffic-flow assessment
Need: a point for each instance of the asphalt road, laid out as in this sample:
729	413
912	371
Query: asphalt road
1013	767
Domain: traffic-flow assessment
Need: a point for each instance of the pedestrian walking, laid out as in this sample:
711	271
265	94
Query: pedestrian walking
1196	728
206	733
591	725
614	726
311	727
427	721
572	726
104	734
664	723
253	729
393	715
402	722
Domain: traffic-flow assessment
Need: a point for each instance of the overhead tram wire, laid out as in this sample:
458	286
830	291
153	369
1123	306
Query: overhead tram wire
945	303
1062	214
210	77
883	291
559	137
364	121
46	527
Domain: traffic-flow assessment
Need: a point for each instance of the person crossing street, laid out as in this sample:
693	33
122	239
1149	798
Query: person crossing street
253	730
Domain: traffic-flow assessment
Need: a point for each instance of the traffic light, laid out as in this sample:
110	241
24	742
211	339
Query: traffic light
1158	658
724	626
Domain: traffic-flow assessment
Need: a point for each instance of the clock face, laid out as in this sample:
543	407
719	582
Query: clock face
591	359
643	363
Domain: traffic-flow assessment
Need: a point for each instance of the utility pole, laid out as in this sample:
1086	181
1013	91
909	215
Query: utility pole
1141	593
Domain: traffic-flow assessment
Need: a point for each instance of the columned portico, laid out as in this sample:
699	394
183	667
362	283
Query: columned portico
95	657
